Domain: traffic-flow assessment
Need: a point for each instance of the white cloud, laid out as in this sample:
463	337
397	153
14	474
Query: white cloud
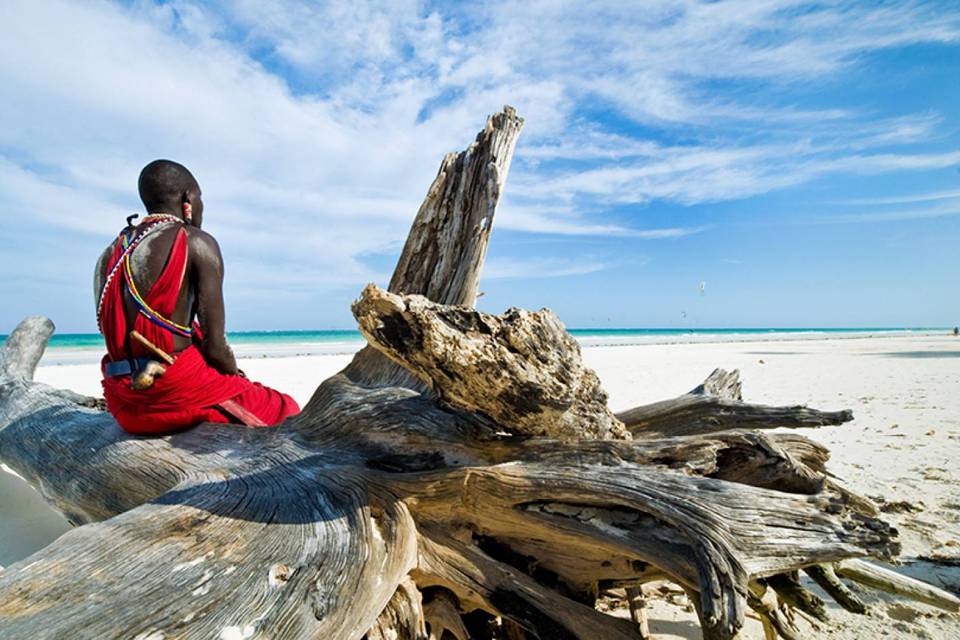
892	215
498	268
563	219
26	196
928	196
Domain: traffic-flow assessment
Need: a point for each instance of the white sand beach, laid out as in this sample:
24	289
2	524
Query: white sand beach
903	446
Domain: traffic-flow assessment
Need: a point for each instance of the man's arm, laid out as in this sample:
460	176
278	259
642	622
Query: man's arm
207	265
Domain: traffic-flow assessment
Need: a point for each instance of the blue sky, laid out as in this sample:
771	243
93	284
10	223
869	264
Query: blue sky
800	158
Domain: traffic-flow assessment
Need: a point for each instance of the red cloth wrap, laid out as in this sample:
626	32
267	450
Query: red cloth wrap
185	395
162	297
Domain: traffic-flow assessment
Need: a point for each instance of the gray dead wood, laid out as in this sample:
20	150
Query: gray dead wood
717	405
884	579
463	464
763	600
443	616
638	613
790	591
825	576
405	617
520	369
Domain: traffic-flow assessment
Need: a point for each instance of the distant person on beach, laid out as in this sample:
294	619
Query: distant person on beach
956	331
159	296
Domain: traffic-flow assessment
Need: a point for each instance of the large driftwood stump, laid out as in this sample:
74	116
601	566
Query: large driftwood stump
463	476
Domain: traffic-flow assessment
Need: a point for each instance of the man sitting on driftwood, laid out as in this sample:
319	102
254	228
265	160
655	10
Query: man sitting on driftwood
160	310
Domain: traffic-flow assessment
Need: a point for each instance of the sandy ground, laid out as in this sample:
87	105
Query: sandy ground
903	446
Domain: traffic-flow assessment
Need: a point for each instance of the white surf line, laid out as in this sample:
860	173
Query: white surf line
10	471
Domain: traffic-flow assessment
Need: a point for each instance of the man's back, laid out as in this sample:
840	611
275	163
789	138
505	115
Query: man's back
155	280
203	273
147	262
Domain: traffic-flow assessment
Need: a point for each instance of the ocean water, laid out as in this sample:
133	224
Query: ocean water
82	348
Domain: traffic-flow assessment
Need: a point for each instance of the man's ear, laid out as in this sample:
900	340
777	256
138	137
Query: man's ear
186	206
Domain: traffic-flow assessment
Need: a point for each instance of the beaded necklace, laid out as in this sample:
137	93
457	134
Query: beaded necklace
153	221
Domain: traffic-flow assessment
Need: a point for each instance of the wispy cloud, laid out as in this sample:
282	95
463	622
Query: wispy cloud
499	268
929	196
564	219
696	174
892	215
886	209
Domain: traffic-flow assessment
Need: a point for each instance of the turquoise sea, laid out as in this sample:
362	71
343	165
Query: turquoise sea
79	348
80	340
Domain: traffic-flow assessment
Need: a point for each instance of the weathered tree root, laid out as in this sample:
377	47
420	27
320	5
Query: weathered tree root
637	602
406	616
519	369
825	576
717	405
890	581
462	476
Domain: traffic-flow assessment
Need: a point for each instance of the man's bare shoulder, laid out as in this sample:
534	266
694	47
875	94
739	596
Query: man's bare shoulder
203	246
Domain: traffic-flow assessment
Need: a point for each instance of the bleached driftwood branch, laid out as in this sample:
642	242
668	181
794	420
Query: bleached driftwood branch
462	476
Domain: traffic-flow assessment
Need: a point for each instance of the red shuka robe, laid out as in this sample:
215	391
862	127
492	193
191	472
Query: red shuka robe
187	393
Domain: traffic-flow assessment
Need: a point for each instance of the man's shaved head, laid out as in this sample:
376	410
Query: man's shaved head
164	184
